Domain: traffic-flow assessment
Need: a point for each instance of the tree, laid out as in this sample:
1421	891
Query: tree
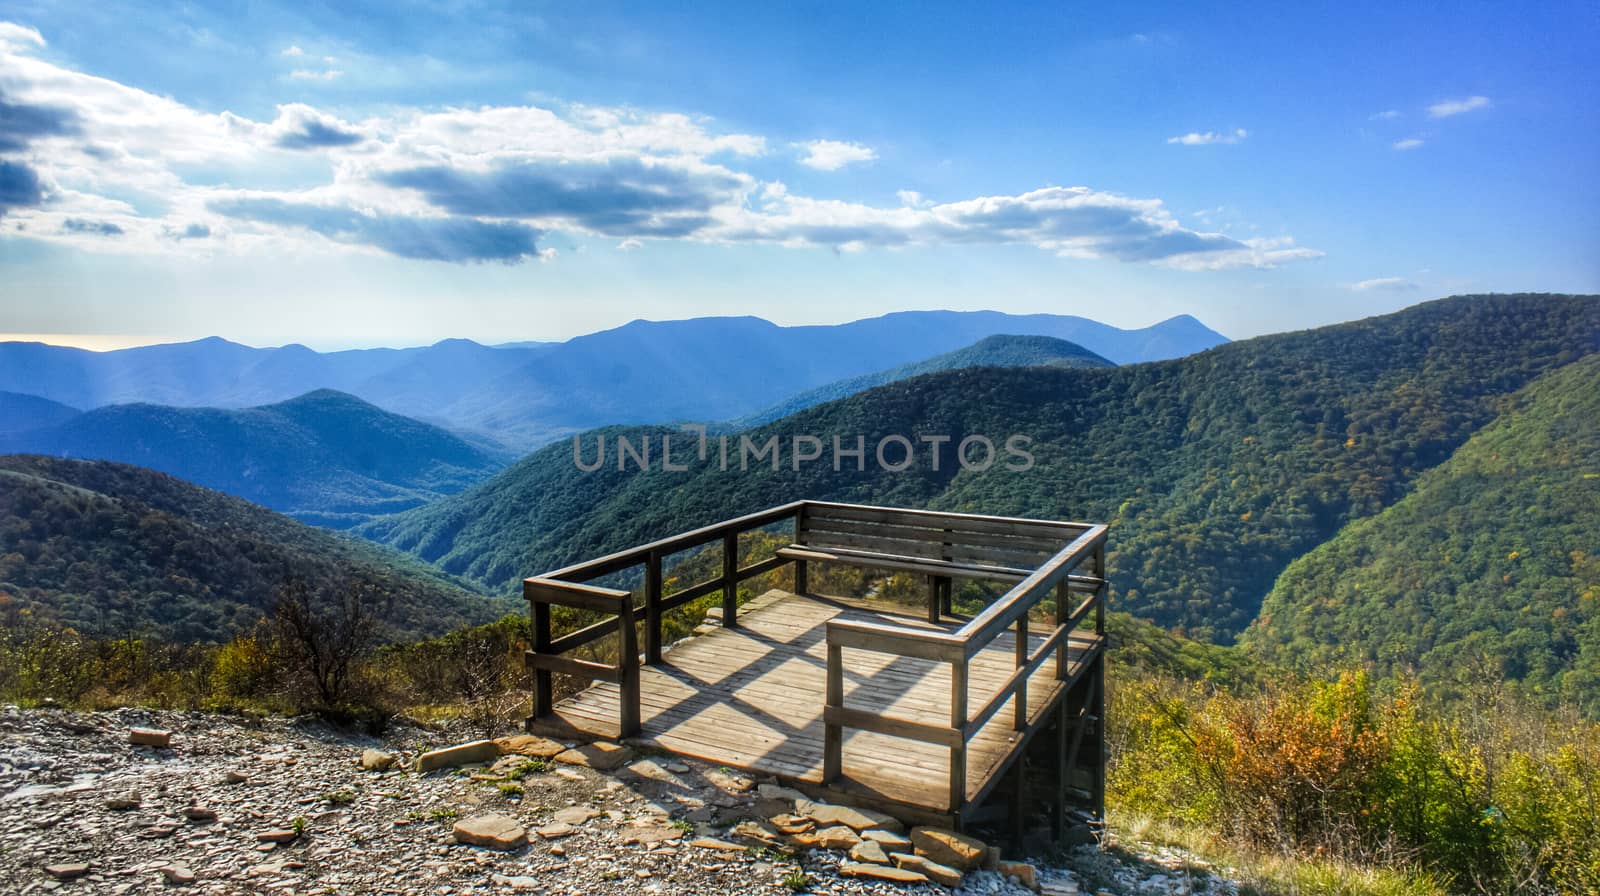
324	635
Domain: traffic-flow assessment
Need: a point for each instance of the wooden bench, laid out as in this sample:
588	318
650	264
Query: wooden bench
944	546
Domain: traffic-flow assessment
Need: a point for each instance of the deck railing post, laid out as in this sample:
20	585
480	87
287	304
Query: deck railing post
1022	683
958	721
1064	610
543	686
801	585
652	608
1100	590
832	732
628	665
730	579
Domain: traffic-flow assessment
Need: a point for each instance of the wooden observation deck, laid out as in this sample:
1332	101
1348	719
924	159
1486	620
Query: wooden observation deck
929	716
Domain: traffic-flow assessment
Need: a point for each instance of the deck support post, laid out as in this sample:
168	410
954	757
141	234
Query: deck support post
730	580
958	721
1098	787
652	608
1016	812
543	686
628	673
1058	807
832	732
1020	697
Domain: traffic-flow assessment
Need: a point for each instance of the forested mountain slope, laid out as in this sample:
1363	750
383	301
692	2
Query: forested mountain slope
994	351
1216	470
116	550
325	457
1490	566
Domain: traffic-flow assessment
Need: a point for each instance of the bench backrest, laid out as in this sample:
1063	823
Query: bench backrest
928	535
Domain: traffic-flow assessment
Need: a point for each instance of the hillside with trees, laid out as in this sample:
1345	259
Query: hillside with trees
994	351
116	551
325	457
1216	471
1488	569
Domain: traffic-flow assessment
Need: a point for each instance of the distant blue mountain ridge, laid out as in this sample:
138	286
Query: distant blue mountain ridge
525	395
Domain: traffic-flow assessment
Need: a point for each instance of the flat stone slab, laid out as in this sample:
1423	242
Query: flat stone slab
940	874
718	845
530	745
827	815
278	835
889	840
149	737
600	756
556	830
67	870
869	851
650	834
882	872
460	754
492	831
577	815
837	837
949	848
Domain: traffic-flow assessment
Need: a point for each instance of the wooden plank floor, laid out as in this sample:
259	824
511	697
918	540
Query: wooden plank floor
751	698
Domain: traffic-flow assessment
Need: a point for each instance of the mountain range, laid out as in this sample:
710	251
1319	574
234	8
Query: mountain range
991	351
705	369
324	457
1216	471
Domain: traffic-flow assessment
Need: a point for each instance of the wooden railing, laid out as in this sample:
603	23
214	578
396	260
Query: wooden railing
565	587
944	545
1057	576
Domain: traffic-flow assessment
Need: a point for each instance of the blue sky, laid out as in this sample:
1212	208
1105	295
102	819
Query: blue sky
393	174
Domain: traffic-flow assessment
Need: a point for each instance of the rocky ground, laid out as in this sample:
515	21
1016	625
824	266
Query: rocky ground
285	806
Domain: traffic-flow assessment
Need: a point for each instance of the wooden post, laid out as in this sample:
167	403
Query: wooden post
1058	811
652	608
832	733
628	661
543	688
1016	814
948	599
801	583
730	579
933	598
1021	693
1101	591
1099	706
1063	611
958	721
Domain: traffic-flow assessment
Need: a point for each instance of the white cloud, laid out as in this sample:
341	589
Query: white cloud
831	155
1384	284
1447	108
19	37
912	198
1408	143
306	74
1387	115
293	50
484	183
1194	138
